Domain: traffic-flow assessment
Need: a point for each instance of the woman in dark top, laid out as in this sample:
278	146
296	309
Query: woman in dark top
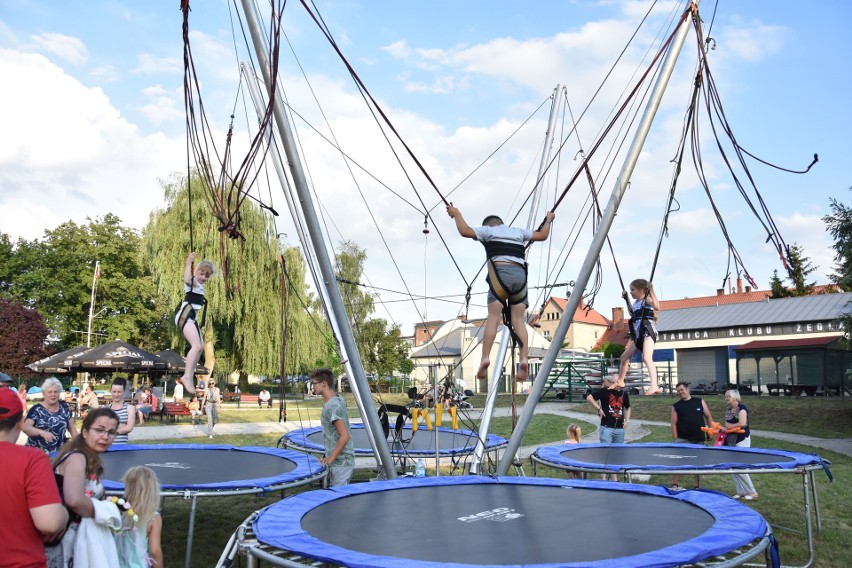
47	421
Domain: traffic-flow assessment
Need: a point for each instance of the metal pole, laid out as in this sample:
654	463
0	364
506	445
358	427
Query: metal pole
305	239
336	307
596	246
496	373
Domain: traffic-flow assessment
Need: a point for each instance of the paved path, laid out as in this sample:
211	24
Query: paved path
637	430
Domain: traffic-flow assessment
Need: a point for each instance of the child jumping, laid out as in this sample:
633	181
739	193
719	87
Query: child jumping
507	280
138	541
186	318
643	331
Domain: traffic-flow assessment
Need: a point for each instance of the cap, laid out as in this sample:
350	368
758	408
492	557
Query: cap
4	378
10	403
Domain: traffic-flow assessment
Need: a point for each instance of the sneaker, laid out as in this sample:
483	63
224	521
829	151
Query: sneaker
737	496
752	497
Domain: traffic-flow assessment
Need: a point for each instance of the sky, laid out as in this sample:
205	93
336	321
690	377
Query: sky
94	123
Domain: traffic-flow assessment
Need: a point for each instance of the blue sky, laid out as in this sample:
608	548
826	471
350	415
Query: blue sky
94	119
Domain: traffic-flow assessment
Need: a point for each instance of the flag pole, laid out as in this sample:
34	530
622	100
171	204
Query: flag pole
91	316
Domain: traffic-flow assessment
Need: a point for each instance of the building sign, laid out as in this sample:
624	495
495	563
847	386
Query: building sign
753	331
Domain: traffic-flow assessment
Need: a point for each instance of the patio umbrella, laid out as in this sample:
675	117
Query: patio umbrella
58	363
177	364
118	356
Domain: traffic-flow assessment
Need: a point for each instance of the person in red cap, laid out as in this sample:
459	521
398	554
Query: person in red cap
32	508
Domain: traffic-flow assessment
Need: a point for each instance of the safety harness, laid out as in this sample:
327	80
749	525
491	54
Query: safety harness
508	296
187	312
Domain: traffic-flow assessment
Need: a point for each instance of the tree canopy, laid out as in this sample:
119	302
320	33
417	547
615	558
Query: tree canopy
839	224
244	297
26	344
801	267
55	275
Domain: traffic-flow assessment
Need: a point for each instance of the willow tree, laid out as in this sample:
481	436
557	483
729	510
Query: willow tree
244	319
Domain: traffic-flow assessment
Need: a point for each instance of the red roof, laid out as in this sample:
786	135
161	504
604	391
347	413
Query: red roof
702	301
787	343
580	314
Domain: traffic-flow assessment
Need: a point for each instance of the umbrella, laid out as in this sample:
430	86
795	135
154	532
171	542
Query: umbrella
177	364
118	356
57	363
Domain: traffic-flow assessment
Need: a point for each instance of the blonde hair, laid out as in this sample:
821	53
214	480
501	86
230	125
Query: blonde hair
142	491
574	432
206	266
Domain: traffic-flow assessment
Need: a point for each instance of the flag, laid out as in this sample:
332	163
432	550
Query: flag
97	270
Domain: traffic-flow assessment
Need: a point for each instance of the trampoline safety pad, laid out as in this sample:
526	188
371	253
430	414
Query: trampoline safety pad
480	521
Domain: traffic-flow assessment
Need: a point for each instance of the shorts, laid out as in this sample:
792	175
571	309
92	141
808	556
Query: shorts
340	474
685	441
611	435
513	276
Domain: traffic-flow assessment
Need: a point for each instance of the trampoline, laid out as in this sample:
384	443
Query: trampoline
190	471
480	521
419	444
693	459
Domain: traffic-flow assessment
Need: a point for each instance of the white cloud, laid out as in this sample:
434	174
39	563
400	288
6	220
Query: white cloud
65	47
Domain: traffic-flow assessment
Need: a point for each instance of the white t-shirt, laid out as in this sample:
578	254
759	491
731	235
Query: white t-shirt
505	234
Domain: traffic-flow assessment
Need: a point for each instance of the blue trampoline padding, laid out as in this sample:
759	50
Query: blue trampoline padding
731	524
420	444
197	467
671	457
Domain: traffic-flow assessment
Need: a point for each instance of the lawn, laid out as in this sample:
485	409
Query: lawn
780	495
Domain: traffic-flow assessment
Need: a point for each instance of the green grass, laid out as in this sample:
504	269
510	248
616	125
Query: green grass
780	494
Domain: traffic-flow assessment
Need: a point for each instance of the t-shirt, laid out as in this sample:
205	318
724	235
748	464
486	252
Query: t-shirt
54	422
504	233
333	410
690	419
122	420
27	483
613	403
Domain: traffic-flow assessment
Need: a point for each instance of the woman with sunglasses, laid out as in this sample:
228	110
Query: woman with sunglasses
212	405
78	469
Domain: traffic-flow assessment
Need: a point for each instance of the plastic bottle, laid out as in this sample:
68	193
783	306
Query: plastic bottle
420	469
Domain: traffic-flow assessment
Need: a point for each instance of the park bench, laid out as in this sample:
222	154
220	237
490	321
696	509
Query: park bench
246	399
174	410
229	396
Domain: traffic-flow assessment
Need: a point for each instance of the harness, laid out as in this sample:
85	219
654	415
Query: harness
188	312
643	314
507	295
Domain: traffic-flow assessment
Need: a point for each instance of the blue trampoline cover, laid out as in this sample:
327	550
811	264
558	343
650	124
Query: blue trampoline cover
417	444
467	521
196	467
671	457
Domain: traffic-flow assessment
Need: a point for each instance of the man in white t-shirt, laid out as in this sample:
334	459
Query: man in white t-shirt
507	280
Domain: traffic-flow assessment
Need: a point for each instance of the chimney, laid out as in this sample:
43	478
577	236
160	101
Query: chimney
720	291
617	318
748	289
739	285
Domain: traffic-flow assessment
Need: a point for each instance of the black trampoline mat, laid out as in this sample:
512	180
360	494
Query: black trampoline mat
188	466
421	441
669	456
505	524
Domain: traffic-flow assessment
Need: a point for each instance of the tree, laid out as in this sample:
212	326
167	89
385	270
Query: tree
800	268
244	297
840	226
55	276
26	344
383	349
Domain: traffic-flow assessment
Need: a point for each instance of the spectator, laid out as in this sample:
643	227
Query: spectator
125	411
147	404
138	541
6	381
613	407
32	508
48	421
178	393
78	469
339	451
689	414
212	405
89	400
737	416
264	397
194	411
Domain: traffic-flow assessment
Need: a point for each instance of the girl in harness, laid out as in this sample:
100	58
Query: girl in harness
643	332
507	280
186	317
